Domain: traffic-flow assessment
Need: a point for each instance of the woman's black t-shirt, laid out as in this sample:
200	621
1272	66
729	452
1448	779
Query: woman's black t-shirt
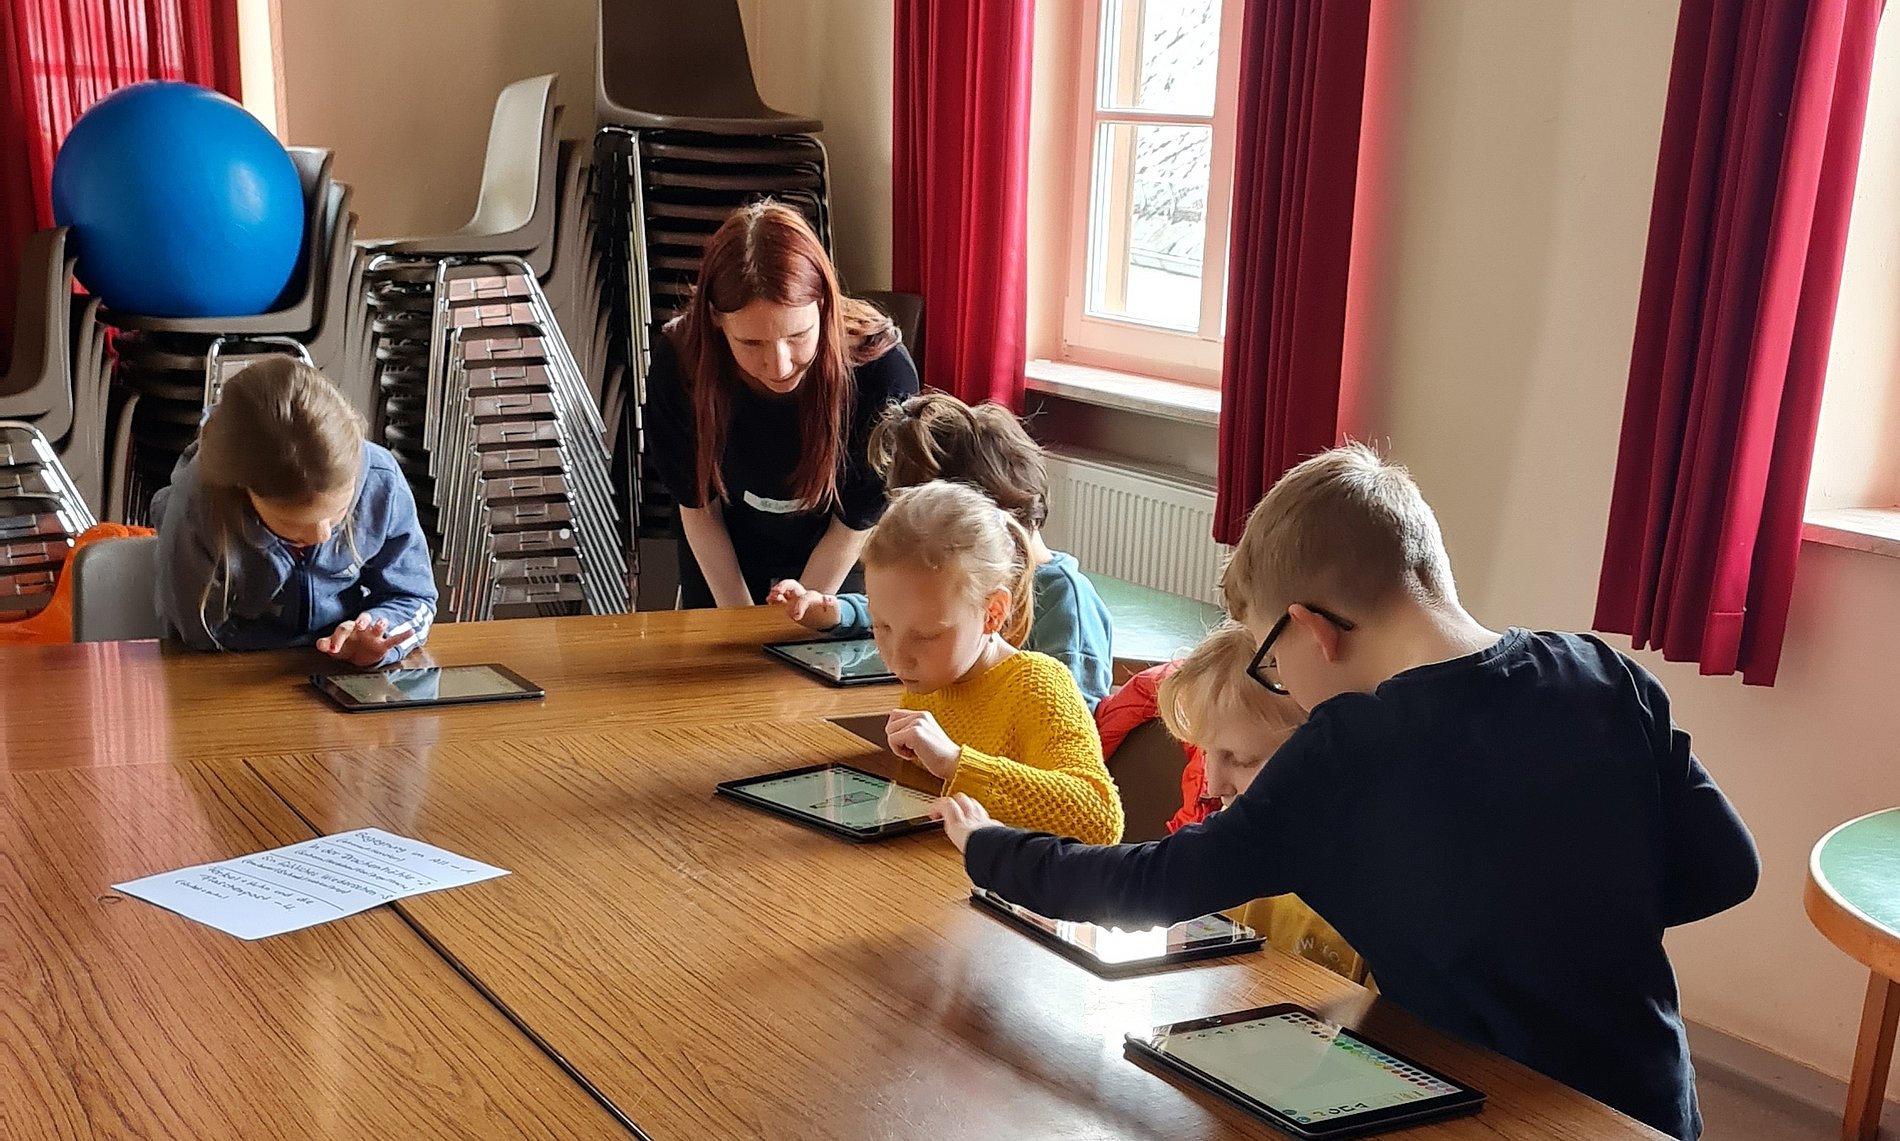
764	442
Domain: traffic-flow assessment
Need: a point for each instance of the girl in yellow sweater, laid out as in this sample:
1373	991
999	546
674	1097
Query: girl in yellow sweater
950	579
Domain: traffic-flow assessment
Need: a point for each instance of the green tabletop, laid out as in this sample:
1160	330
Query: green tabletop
1153	625
1859	864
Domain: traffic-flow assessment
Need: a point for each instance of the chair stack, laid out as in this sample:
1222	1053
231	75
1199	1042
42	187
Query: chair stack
684	140
58	380
518	454
42	513
523	321
170	369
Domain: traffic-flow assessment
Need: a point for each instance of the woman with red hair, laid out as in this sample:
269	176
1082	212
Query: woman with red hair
761	398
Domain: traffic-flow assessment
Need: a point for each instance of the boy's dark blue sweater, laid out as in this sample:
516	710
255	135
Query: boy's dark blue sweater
1503	837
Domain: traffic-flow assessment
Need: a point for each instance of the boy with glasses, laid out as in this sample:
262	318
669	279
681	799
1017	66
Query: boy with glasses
1503	825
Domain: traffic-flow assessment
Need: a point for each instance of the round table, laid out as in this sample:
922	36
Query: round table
1853	898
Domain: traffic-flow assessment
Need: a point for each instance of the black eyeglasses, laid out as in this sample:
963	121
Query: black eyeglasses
1261	656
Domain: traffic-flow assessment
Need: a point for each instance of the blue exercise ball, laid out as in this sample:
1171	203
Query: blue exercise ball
181	204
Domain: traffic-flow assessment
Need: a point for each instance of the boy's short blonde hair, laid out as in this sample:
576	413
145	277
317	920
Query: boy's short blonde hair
1345	530
1212	680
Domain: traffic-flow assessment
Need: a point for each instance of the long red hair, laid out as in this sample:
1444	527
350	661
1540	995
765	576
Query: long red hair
767	252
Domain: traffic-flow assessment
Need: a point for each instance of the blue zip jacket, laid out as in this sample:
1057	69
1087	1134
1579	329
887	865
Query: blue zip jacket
283	596
1069	622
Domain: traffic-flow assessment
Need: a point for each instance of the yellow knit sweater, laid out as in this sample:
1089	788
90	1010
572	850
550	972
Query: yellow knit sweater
1031	755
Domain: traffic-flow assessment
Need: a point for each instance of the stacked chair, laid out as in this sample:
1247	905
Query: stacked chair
42	513
58	380
169	370
493	381
684	140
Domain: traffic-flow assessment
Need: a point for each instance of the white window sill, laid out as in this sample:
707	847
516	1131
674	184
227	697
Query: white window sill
1127	392
1872	529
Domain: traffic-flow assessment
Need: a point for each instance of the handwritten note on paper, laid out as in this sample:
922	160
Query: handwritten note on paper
290	888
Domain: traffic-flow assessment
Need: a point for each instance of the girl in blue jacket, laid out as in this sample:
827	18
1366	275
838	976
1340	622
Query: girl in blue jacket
288	528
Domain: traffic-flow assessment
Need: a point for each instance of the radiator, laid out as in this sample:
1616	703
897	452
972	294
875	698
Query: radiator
1135	525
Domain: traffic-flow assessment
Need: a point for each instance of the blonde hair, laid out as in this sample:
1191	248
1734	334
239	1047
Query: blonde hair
1213	677
942	526
282	432
1345	529
936	436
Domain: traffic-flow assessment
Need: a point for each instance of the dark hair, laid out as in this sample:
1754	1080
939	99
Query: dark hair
936	436
767	252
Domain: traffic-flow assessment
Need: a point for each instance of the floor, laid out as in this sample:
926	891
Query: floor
1735	1110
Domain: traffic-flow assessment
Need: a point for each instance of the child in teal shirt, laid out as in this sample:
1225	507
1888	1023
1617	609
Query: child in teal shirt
936	436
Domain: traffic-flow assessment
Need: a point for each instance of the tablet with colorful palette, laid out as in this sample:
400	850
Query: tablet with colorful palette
1302	1074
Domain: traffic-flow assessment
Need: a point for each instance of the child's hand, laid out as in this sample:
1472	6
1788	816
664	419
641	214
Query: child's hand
915	736
961	816
364	641
808	608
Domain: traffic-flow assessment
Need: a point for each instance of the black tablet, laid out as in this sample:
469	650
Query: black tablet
1114	953
428	685
836	661
1296	1071
839	799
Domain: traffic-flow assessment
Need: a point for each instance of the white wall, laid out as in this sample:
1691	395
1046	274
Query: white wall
833	59
1520	144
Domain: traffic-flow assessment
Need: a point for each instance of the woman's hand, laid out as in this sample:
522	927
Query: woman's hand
811	609
915	736
961	815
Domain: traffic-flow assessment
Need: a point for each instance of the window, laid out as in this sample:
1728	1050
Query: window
1153	178
1854	484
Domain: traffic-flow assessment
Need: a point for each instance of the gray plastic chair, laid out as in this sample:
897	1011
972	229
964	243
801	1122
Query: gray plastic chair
1147	771
38	384
664	65
514	212
115	584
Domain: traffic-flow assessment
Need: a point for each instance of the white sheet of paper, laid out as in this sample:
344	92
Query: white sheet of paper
301	885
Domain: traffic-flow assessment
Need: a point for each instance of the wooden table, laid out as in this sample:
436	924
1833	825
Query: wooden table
705	970
119	1020
132	702
1853	898
719	972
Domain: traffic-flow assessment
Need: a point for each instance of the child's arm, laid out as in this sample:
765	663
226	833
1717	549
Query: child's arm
1236	856
1709	858
187	567
1060	784
398	580
1072	626
842	615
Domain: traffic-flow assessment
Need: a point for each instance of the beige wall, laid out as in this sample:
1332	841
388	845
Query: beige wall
402	90
1521	144
832	59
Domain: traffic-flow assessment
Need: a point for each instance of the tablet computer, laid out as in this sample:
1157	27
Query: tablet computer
1298	1072
1114	953
839	799
427	685
836	661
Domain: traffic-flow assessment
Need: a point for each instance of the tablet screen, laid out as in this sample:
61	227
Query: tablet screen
1114	945
848	660
1302	1067
432	683
844	796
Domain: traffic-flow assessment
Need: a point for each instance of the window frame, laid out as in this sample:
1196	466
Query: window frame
1117	343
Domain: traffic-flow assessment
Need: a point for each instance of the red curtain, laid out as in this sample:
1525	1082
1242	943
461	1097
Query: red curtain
1748	228
59	57
1302	87
960	188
